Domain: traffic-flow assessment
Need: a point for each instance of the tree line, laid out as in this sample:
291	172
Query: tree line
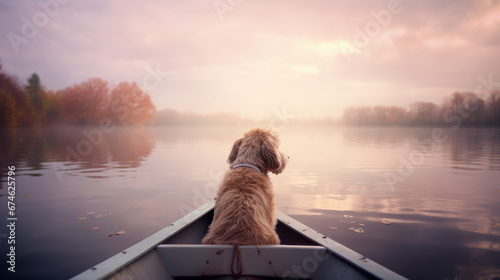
88	103
461	108
94	101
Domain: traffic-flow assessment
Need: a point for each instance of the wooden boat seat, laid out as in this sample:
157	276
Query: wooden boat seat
283	261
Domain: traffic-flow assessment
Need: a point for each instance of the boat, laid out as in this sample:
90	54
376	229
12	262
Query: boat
176	252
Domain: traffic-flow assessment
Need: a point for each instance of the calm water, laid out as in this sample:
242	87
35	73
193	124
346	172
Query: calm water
441	215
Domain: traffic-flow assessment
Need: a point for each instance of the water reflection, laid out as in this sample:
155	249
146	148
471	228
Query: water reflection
466	146
75	148
473	148
449	204
129	147
378	136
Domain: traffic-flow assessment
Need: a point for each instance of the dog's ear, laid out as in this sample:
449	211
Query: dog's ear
234	151
270	154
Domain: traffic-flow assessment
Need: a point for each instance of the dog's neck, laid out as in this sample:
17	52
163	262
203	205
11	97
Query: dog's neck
246	165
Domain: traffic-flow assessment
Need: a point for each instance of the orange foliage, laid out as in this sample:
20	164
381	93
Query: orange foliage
85	103
130	105
53	107
8	114
24	112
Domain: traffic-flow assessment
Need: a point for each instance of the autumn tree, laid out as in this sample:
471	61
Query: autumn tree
423	113
85	103
72	110
8	114
379	115
130	105
53	107
493	107
467	106
396	116
12	90
96	92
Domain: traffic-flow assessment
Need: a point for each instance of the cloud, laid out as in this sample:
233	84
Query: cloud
262	54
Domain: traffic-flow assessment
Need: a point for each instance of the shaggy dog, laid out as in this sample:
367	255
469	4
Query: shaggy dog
244	208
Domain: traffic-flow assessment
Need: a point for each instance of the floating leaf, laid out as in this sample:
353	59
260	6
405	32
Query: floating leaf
347	216
94	228
90	213
357	230
362	225
118	233
385	222
349	222
333	228
98	216
82	219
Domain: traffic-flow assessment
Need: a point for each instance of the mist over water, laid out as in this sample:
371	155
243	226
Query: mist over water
78	187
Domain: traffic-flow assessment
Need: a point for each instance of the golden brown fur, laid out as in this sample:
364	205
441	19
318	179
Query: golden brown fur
244	209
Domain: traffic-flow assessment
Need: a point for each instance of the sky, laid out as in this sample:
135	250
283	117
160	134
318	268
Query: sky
256	58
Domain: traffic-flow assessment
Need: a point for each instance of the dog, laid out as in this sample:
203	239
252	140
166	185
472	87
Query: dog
244	208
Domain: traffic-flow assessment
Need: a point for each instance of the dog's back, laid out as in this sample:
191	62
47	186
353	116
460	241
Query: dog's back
244	210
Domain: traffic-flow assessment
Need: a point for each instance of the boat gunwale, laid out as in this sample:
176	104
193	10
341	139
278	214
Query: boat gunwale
364	264
117	262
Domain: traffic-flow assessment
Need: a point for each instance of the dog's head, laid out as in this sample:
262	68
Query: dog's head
260	148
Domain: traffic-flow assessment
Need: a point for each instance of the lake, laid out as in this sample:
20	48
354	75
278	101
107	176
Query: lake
421	201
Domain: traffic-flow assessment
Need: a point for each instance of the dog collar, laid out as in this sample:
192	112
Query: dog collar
246	165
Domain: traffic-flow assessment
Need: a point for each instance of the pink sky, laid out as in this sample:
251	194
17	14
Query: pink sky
312	58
